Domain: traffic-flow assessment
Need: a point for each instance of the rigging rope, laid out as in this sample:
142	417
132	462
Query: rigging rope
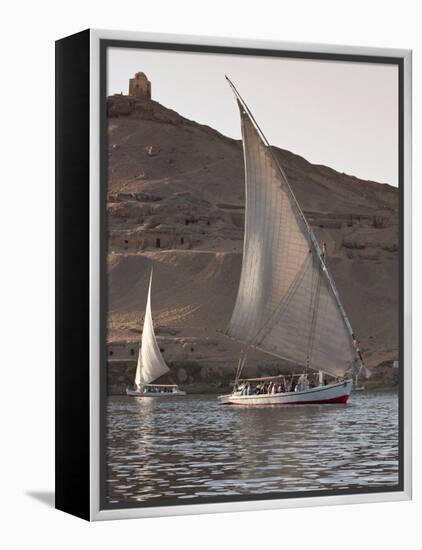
313	310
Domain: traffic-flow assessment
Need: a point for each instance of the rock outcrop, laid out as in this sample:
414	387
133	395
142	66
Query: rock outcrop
175	201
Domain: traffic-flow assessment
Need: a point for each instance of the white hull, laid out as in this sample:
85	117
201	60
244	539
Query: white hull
156	395
333	393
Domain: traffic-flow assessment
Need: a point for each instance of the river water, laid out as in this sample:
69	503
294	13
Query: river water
178	449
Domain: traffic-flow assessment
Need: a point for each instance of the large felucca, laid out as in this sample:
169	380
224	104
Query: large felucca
287	303
151	364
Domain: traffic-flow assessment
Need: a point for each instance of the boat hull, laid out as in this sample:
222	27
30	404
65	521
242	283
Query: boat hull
332	393
154	395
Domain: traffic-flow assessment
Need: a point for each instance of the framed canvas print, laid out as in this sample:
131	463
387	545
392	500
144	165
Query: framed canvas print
233	274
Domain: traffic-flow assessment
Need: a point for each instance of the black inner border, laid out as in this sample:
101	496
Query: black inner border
104	45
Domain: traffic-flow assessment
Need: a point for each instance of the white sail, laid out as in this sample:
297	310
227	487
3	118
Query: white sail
151	364
287	303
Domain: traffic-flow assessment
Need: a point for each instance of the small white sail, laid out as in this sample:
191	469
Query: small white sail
151	364
287	303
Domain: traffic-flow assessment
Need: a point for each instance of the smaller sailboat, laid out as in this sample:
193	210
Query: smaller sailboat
151	364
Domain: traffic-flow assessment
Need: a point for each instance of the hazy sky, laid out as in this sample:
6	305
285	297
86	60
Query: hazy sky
343	115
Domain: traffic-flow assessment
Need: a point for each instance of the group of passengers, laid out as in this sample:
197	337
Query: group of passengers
158	389
272	388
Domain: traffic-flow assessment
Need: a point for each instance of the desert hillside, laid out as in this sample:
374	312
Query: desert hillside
175	201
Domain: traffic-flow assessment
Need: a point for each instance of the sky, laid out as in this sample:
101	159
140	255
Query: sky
340	114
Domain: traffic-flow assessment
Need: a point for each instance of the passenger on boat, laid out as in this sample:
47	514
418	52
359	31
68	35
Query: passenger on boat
298	387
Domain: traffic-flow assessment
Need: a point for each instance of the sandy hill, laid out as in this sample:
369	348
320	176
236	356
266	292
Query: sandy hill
176	201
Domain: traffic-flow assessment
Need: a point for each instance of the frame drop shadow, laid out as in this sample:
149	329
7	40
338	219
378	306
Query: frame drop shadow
45	497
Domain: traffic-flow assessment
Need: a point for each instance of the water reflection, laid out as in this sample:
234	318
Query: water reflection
191	447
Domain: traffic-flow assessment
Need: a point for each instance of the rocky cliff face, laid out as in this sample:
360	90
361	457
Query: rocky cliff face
176	201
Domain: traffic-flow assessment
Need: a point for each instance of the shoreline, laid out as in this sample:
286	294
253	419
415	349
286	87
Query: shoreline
193	378
212	389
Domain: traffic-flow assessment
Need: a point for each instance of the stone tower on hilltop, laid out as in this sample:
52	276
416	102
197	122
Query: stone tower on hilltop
140	86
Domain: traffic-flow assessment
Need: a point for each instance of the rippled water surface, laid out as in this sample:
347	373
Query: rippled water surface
188	447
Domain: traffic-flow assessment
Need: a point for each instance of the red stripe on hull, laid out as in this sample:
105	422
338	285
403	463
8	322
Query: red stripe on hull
341	399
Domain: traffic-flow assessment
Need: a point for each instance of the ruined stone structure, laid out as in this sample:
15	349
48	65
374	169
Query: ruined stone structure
122	350
135	241
140	86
